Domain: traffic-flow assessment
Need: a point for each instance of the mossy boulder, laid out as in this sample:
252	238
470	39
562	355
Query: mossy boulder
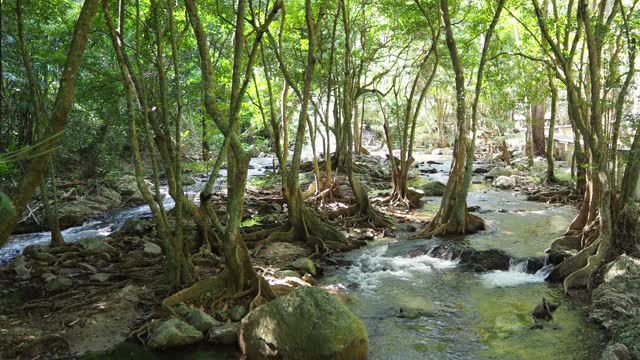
433	188
307	324
172	333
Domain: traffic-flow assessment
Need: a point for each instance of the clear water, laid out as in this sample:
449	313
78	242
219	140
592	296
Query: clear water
461	315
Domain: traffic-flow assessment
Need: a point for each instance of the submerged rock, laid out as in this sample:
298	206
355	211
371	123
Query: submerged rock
616	302
309	323
173	332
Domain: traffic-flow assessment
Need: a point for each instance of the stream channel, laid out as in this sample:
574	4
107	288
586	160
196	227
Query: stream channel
446	313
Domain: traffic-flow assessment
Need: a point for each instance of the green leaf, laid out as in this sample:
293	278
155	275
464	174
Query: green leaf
6	206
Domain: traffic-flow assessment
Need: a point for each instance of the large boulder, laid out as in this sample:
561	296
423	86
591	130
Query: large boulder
505	182
617	352
433	188
305	265
74	213
173	332
308	324
485	260
616	302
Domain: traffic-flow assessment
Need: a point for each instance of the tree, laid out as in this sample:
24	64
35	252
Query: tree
453	217
39	162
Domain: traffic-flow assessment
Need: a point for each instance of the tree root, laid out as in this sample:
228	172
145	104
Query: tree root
210	287
582	278
472	224
568	266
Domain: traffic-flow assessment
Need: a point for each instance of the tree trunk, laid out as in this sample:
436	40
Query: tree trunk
64	99
537	128
551	177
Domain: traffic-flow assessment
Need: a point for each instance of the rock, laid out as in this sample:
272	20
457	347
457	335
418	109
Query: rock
556	256
485	260
617	351
535	263
436	152
282	251
309	324
201	320
105	330
181	309
100	277
543	310
427	170
188	180
96	245
237	313
505	182
47	276
58	283
127	186
499	171
33	251
287	273
86	267
151	249
19	266
304	264
226	334
136	227
75	213
433	188
173	332
616	302
480	170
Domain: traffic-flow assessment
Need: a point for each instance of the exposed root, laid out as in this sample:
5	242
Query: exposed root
212	287
568	266
582	278
472	224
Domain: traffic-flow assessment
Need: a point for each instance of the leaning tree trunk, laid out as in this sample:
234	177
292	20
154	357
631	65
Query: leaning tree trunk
549	153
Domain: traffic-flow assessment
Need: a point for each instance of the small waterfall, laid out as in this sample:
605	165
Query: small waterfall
518	265
516	275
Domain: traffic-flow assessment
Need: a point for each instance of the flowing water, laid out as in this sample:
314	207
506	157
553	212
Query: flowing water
423	307
427	308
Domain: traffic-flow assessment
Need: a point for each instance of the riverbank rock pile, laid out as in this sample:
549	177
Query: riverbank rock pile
616	305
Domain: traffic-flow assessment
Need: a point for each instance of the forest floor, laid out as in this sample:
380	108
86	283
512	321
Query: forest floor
92	295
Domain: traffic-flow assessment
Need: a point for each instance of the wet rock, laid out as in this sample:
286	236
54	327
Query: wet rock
480	170
308	318
437	152
201	320
505	182
237	313
617	351
485	260
100	277
151	249
226	334
433	188
96	245
304	264
535	263
556	256
474	208
543	310
309	279
173	332
136	227
58	284
616	302
427	170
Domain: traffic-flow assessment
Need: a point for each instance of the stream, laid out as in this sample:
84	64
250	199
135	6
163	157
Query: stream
423	307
